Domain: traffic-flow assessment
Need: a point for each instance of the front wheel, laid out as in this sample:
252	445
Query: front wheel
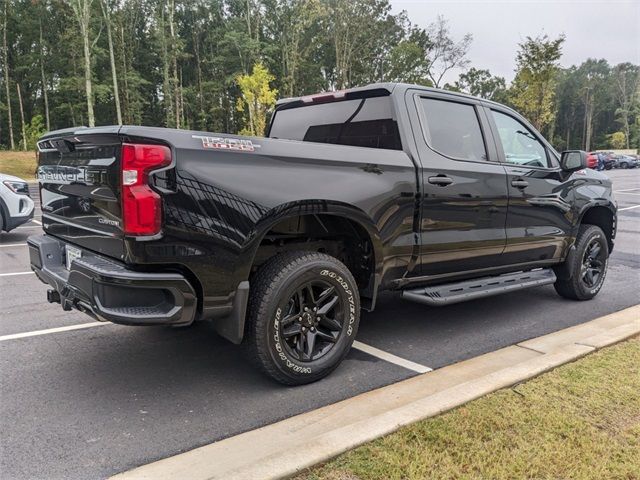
303	316
588	267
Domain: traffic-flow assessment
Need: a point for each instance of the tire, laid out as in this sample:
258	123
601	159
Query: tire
588	267
624	165
1	222
292	345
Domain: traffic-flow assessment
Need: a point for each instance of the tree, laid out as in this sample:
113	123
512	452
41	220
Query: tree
175	63
34	131
533	88
294	23
407	61
45	95
593	78
361	34
444	53
83	14
480	83
24	131
627	94
257	97
566	135
7	77
106	7
617	140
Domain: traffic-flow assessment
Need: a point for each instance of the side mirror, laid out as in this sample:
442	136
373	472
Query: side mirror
572	160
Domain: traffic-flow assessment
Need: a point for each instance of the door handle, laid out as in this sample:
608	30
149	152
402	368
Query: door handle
441	180
519	183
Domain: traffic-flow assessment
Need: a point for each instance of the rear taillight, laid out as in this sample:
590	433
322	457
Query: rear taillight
141	206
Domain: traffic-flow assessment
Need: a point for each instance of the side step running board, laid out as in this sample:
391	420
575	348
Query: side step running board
478	288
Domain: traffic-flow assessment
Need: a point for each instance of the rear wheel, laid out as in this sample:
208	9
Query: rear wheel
588	267
1	222
303	316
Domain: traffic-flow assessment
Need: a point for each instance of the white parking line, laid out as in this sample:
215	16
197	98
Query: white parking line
47	331
391	358
626	190
14	274
27	226
628	208
381	354
628	193
13	245
36	221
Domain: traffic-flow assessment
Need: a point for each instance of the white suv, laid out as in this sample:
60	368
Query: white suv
16	207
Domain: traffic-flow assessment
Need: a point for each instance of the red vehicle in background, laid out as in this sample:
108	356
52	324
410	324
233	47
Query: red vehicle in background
592	160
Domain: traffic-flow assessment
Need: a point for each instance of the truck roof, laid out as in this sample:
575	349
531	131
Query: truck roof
378	89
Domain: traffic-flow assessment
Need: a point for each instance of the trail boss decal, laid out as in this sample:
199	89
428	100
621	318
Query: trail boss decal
224	143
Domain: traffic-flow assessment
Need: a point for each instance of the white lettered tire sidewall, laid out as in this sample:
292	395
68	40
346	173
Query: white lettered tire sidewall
599	236
348	293
271	289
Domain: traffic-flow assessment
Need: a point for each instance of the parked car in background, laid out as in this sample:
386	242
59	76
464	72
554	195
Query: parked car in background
16	207
626	161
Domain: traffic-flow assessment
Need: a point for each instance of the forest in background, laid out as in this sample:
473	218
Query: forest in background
219	65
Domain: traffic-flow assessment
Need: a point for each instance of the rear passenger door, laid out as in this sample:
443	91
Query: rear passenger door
538	217
464	190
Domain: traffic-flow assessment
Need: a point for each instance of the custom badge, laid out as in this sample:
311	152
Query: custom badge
224	143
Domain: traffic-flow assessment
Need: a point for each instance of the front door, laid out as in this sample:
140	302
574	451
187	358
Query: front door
464	194
538	217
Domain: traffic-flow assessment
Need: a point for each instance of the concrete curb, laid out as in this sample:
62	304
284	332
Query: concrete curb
287	447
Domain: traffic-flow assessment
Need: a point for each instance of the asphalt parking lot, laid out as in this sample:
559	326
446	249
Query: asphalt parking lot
91	402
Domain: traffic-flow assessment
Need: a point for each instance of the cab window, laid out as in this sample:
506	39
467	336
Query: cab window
452	129
520	145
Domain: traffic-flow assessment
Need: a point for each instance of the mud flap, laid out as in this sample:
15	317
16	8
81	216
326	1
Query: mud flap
231	327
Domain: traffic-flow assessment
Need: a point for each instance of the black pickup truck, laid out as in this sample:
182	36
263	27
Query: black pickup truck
282	240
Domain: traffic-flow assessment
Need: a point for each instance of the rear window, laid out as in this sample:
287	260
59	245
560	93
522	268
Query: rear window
366	122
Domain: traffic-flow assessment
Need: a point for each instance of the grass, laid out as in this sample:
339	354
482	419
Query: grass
580	421
20	164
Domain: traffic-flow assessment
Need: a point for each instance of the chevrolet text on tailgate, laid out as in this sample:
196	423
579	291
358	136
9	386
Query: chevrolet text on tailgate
280	241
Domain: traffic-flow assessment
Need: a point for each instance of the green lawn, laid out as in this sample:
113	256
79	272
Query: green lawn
580	421
20	164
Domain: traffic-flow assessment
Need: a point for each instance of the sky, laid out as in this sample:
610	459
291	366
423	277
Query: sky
593	29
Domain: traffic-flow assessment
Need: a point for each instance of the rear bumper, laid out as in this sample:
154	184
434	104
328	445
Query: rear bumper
108	291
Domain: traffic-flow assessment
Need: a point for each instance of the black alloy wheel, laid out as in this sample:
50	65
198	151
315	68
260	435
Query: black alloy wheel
313	321
592	263
303	316
582	274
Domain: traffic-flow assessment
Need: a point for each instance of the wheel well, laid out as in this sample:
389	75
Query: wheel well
4	213
603	218
337	236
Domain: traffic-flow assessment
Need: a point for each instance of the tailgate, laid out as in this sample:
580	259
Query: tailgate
80	188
